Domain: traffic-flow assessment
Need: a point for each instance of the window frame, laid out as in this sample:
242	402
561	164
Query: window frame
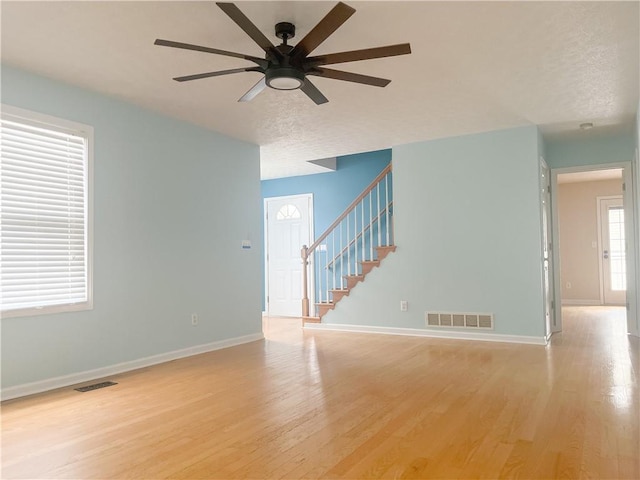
68	126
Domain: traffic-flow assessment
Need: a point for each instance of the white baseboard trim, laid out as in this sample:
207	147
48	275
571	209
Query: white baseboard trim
568	301
75	378
415	332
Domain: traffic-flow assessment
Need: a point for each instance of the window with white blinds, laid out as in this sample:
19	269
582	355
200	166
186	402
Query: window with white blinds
44	214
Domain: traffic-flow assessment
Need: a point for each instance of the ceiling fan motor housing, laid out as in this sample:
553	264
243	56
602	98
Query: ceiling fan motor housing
283	73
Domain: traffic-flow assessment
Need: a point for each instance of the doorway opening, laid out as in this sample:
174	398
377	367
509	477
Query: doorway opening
593	217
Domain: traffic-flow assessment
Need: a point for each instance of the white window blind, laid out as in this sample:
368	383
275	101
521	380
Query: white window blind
44	216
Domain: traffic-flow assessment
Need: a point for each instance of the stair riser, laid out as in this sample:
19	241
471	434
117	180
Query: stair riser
384	251
368	266
353	281
323	309
337	296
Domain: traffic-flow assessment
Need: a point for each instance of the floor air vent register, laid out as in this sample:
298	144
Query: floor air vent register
461	320
95	386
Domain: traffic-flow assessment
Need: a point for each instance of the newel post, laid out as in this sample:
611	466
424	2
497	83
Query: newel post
305	294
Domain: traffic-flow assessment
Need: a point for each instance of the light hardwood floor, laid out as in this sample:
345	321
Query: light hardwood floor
345	405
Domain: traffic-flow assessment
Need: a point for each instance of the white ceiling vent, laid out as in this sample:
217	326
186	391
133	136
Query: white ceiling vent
459	320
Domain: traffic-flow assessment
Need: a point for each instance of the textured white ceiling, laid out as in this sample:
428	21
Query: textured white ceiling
475	66
591	176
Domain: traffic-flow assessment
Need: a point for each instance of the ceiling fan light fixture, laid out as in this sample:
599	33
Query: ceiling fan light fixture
285	67
284	78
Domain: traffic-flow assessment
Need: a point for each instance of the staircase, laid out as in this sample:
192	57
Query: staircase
353	245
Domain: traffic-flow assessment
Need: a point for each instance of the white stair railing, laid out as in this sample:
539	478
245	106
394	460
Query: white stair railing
351	239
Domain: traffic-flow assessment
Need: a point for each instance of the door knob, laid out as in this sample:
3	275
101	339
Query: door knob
605	254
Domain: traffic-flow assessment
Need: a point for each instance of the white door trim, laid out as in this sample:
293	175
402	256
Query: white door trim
308	196
632	250
548	292
630	212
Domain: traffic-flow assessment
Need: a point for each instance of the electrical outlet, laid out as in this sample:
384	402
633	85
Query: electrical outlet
194	319
404	305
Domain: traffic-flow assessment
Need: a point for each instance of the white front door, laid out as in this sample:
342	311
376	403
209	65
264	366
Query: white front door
612	250
287	229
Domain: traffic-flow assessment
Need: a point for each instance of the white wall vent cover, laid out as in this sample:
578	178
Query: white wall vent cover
459	320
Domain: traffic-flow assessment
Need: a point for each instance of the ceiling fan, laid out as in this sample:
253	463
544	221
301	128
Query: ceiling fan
287	67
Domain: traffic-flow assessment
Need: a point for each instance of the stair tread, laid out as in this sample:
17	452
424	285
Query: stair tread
311	320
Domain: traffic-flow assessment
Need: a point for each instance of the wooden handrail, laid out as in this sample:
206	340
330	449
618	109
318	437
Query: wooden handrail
351	206
358	236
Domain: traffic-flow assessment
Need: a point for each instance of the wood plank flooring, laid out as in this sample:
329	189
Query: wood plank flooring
346	405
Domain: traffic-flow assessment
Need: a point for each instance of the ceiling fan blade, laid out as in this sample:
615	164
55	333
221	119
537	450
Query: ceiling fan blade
198	76
187	46
349	77
254	91
355	55
248	27
313	93
318	34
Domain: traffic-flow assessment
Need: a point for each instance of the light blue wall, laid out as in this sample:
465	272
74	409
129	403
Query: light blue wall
542	148
332	191
593	150
637	130
172	203
467	229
